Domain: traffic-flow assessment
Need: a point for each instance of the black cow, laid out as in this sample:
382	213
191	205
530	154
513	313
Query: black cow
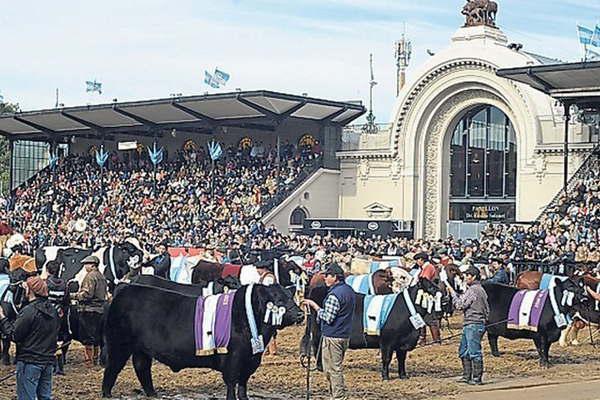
397	335
218	286
500	297
132	329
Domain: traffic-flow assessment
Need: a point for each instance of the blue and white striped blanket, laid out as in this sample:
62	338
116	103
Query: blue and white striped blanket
362	284
377	309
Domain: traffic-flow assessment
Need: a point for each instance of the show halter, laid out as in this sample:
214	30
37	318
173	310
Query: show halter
258	345
111	262
559	317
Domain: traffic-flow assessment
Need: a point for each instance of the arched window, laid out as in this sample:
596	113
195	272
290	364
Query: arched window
483	155
298	216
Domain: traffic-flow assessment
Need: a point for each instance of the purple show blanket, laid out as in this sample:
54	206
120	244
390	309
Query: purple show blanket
220	328
537	306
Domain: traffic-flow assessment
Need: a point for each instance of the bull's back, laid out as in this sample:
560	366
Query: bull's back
529	280
153	319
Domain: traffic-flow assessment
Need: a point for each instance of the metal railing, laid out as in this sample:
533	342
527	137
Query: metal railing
356	138
583	169
285	189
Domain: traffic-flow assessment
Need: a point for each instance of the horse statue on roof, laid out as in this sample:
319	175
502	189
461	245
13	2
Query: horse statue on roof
480	12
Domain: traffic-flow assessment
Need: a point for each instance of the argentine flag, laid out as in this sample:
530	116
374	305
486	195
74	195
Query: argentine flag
585	35
221	77
215	151
596	38
210	80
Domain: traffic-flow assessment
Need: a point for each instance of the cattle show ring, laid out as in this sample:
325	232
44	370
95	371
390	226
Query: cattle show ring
255	244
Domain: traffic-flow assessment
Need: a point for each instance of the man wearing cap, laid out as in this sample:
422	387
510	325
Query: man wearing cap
92	297
267	278
498	269
474	304
35	332
336	326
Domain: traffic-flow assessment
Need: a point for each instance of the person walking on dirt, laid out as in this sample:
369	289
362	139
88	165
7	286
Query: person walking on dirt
336	326
92	298
476	309
35	332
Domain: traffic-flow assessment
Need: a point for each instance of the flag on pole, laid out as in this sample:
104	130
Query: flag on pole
156	155
221	77
585	35
593	55
596	37
210	80
215	151
93	86
101	157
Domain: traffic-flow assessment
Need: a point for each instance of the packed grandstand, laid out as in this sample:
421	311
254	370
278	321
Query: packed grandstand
188	202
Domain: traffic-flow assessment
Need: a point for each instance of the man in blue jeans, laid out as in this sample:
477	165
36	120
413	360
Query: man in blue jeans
474	304
35	332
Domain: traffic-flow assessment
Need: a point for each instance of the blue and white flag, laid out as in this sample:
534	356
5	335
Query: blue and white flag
210	80
593	55
1	98
215	151
221	77
52	161
93	86
156	155
596	38
585	35
101	157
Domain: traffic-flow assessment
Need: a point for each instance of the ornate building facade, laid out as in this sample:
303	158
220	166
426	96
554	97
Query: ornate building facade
464	145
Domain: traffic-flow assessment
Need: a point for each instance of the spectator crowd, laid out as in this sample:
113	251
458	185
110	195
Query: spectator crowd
188	202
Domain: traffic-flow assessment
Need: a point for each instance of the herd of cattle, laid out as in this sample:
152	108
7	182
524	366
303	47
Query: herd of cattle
131	329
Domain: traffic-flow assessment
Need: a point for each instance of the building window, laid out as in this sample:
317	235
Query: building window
483	155
298	216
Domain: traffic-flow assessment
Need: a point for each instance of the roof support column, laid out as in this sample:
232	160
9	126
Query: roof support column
11	146
567	108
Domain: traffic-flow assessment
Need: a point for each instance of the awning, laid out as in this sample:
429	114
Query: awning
261	110
570	82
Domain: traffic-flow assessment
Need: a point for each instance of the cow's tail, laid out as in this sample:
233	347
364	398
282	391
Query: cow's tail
103	329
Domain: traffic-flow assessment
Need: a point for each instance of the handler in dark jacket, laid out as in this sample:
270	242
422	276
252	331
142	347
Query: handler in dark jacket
92	298
474	303
336	326
499	270
34	331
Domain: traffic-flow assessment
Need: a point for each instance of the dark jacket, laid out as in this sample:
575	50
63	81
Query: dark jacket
35	332
341	326
500	277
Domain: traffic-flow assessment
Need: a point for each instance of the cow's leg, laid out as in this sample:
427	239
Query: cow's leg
142	363
386	358
245	376
493	340
401	357
117	357
5	351
539	346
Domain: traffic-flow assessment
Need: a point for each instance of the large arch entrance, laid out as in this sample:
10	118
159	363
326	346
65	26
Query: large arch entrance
483	170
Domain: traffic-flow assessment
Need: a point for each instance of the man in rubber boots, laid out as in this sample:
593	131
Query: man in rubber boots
336	326
474	304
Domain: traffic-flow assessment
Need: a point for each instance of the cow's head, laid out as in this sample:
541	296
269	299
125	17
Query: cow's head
292	277
277	306
572	292
131	257
429	296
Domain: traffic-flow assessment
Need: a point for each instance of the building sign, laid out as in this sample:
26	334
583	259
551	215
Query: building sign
345	227
127	145
504	212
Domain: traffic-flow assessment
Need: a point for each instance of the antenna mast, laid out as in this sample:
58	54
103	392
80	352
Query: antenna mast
403	50
370	127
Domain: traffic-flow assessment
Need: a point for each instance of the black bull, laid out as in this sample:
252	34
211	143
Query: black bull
132	329
500	297
397	335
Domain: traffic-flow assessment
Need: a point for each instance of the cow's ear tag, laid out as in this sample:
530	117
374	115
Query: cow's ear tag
417	321
560	320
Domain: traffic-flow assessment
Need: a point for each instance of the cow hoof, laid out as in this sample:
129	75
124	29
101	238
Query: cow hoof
106	395
385	378
496	353
403	377
151	394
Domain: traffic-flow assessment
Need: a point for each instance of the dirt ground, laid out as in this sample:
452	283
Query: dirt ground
432	371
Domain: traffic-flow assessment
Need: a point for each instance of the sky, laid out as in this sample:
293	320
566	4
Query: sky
145	49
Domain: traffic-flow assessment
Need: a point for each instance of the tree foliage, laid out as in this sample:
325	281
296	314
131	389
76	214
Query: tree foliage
4	150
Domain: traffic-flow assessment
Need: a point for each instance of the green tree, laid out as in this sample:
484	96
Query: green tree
4	151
